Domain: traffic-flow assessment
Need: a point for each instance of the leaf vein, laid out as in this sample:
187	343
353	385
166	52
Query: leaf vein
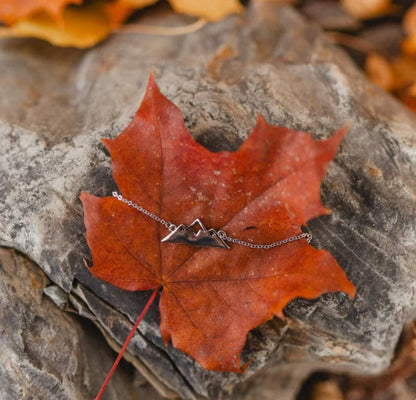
188	316
143	263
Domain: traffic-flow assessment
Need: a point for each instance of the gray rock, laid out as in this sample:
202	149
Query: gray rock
48	354
57	104
57	295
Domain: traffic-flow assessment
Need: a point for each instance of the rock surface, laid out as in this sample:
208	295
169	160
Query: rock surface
49	354
58	103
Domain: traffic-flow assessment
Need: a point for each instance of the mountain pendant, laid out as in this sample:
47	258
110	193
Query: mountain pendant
203	237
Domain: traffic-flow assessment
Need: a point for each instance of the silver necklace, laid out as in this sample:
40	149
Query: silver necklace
204	237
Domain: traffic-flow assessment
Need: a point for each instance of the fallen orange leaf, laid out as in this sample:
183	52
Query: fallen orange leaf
380	71
212	10
409	25
85	26
367	9
80	27
14	10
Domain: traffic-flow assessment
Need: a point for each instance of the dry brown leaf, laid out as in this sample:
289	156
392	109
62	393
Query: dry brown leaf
409	46
327	390
367	9
137	3
397	76
410	101
380	71
280	1
409	25
404	69
409	21
412	90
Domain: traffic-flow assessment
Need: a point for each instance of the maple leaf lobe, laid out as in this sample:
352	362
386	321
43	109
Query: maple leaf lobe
213	297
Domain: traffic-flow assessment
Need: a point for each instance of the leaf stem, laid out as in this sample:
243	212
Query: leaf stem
163	30
126	343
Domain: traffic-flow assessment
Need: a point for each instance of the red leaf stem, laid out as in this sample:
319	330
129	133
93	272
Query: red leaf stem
126	343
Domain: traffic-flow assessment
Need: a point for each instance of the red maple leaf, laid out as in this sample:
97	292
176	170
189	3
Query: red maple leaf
262	193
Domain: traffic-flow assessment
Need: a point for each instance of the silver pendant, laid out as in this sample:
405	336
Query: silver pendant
203	237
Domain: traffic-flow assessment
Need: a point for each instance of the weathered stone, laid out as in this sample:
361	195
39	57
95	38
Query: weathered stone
48	354
57	104
57	295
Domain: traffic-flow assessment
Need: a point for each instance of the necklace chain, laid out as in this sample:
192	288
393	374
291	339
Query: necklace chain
167	224
221	233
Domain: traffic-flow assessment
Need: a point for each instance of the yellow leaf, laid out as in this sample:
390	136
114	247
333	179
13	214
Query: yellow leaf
409	25
85	26
212	10
13	10
366	9
80	26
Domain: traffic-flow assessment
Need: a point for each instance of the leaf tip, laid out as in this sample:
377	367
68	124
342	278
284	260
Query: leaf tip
151	83
244	367
83	196
153	99
261	122
326	211
340	133
260	118
350	289
165	336
279	314
105	142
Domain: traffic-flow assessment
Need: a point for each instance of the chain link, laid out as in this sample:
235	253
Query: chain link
221	233
167	224
224	236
